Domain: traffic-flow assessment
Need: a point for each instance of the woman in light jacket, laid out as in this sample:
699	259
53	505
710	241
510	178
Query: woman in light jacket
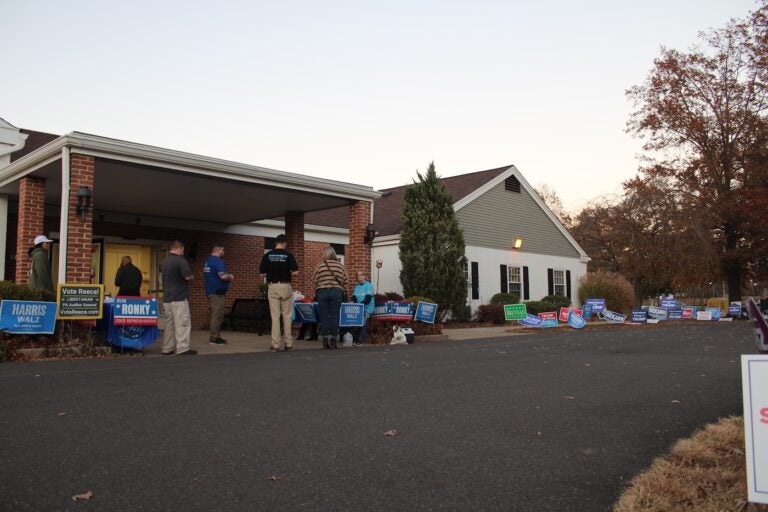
331	281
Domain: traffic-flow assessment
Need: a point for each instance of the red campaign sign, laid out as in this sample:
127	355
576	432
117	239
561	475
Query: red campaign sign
564	313
687	312
135	321
548	315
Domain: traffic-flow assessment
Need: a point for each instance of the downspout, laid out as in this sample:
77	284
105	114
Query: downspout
64	216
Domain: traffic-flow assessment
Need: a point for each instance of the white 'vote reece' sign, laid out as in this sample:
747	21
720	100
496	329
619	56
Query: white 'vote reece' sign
754	377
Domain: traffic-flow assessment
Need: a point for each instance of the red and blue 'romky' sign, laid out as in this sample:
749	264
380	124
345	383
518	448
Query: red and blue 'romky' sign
135	311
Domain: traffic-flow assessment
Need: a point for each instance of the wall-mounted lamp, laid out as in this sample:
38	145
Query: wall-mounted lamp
83	202
370	234
518	243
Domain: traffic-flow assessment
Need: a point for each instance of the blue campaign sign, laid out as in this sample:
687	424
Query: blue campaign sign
531	321
613	317
27	317
306	312
639	316
717	313
586	311
352	314
675	314
669	304
425	312
657	313
575	320
734	310
135	311
598	305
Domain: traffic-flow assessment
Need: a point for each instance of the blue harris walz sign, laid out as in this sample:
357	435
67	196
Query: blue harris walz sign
352	314
27	317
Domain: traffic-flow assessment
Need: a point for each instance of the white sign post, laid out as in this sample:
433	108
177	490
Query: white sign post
754	378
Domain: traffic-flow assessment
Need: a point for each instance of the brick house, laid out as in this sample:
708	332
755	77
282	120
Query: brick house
141	197
495	208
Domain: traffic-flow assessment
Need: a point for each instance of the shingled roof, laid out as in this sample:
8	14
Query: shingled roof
34	141
386	210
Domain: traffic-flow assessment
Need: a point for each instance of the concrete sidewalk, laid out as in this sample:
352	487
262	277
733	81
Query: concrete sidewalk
250	342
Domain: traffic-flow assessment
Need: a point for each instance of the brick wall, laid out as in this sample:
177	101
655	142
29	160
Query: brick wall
294	232
358	254
80	232
30	223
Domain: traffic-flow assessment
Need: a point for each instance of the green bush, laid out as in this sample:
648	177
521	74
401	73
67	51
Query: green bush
13	291
559	301
416	299
505	298
393	296
535	307
490	313
462	314
614	288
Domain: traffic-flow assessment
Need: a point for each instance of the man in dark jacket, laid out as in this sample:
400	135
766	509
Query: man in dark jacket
40	277
128	278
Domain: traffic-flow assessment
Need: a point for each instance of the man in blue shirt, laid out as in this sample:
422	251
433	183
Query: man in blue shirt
217	281
363	293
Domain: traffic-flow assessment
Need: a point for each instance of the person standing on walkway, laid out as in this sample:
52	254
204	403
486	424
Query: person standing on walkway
128	278
279	265
40	277
217	281
178	324
363	294
331	281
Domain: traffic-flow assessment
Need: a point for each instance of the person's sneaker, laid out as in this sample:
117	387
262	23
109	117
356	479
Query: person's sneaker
273	349
357	344
288	349
190	352
168	353
217	341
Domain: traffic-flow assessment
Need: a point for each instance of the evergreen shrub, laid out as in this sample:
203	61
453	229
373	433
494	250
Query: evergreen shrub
490	313
559	301
534	307
505	298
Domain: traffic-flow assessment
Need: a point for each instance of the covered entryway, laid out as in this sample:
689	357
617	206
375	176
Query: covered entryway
99	197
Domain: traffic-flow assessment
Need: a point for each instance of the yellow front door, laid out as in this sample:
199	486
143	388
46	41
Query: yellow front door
113	254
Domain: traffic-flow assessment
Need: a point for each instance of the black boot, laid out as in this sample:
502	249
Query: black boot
326	344
333	342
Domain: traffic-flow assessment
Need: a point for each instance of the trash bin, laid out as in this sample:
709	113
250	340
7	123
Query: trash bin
409	335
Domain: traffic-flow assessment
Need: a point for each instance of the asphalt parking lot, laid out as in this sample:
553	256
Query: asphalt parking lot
551	421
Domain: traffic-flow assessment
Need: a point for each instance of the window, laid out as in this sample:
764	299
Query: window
559	282
515	283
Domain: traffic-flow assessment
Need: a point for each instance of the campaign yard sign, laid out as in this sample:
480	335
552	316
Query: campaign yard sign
734	310
564	312
669	304
306	312
754	378
613	317
689	312
717	313
657	313
548	319
531	321
135	311
352	314
27	317
639	316
675	314
80	301
515	312
575	320
598	305
425	312
393	310
586	311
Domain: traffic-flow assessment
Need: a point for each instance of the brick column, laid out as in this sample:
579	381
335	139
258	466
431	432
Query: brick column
294	232
357	256
30	224
80	233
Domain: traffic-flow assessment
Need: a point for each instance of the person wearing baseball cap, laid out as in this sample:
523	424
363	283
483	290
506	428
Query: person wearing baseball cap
40	275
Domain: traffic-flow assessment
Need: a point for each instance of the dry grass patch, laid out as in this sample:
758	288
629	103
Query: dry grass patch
706	473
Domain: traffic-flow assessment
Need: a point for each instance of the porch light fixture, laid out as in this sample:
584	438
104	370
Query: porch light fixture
370	234
83	202
518	243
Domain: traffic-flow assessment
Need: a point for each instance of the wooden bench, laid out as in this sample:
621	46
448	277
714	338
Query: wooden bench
249	310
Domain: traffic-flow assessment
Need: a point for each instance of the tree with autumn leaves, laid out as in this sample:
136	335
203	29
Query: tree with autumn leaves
701	196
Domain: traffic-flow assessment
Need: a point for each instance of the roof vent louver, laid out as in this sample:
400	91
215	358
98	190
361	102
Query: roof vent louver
512	184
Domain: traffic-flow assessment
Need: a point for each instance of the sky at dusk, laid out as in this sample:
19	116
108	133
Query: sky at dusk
357	91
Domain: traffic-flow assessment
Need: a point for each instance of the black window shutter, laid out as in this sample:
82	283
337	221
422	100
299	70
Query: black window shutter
568	283
475	279
550	281
526	293
504	283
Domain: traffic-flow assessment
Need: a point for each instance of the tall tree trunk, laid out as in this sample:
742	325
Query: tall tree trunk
731	264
